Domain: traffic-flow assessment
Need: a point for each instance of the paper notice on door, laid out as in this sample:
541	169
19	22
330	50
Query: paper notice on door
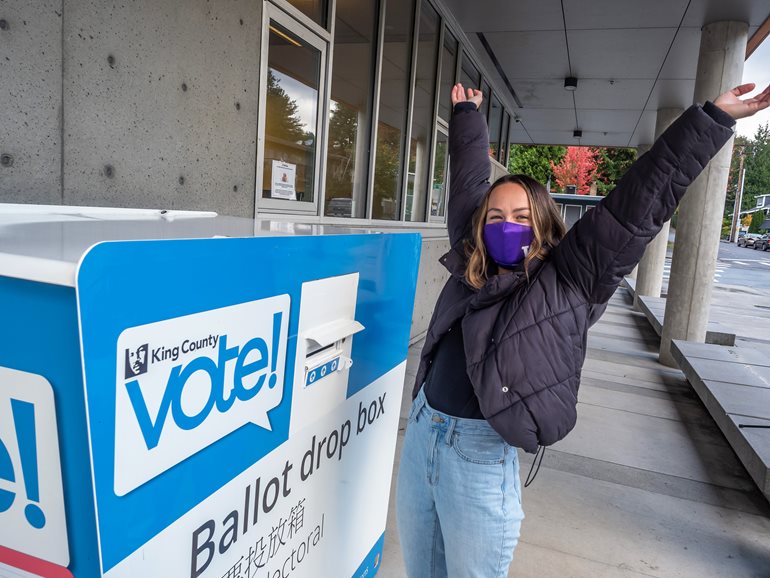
284	181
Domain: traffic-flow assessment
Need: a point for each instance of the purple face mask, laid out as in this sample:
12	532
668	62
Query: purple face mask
508	243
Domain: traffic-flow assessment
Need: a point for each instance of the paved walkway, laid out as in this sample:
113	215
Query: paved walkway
644	486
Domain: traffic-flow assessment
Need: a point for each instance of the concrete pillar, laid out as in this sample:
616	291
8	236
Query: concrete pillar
720	68
649	277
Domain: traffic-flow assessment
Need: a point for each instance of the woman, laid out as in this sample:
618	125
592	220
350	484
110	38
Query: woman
500	367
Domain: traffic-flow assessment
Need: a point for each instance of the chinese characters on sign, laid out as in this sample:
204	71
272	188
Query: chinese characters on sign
267	548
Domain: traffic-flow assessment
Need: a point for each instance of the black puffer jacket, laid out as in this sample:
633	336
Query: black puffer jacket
525	341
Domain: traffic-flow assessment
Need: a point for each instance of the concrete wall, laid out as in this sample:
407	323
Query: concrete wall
162	110
153	103
430	280
30	101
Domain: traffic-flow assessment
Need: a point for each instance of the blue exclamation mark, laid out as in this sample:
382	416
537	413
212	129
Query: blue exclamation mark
24	422
277	317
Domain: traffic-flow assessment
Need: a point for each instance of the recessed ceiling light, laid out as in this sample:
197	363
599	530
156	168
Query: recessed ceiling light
570	83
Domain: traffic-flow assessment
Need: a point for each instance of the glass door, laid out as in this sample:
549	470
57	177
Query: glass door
291	119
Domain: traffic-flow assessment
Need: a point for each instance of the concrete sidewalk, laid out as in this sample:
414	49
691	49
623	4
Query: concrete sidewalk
645	485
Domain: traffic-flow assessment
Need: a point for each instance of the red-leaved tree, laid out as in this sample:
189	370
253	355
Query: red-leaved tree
579	167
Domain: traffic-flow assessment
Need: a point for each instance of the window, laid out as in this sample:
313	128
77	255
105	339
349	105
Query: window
292	85
350	109
363	136
572	214
504	139
495	123
440	177
486	90
511	144
316	10
448	74
469	74
391	114
422	113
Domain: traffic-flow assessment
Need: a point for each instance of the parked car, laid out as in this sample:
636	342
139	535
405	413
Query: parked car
747	239
339	207
763	243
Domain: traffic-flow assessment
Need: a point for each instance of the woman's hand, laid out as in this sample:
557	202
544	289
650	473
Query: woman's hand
737	108
459	95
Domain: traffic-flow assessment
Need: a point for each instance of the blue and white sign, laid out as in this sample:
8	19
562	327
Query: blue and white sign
215	453
187	382
32	516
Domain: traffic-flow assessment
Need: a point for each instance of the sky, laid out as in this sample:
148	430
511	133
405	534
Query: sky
756	70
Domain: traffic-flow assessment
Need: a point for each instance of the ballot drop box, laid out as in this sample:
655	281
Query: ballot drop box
188	395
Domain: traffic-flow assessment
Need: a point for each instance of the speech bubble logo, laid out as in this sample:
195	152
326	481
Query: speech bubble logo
207	375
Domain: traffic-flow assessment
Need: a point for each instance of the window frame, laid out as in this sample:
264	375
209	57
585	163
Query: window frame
504	138
374	95
274	13
499	127
431	144
442	127
463	56
564	215
406	133
324	32
445	29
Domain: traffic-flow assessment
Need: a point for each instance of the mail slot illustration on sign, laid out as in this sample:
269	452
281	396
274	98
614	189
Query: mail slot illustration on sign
327	325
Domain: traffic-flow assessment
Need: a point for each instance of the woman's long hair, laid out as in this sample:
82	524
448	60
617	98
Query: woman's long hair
544	217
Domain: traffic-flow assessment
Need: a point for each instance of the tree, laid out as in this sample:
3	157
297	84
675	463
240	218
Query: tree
386	172
756	157
746	221
757	164
343	128
535	160
733	179
613	164
757	219
283	121
579	167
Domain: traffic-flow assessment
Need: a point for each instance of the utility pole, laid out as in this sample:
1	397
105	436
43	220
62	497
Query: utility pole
738	200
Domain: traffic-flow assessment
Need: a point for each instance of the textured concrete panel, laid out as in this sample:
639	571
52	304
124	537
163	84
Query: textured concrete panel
655	309
160	104
430	279
742	354
30	101
736	396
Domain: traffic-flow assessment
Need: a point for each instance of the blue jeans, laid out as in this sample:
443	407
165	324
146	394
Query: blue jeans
458	500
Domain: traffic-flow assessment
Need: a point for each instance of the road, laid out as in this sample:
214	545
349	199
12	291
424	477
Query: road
736	266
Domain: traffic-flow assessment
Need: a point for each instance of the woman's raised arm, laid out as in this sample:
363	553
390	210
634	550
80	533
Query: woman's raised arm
469	165
609	240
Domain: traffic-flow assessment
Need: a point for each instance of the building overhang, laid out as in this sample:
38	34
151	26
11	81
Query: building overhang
630	59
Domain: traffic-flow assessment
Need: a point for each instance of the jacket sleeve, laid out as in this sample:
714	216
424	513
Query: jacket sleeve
469	169
609	240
